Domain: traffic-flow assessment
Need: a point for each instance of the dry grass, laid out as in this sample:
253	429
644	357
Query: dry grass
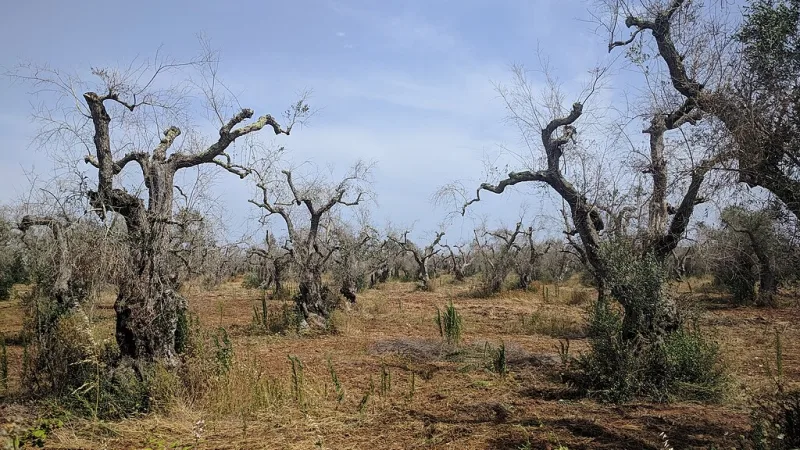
438	397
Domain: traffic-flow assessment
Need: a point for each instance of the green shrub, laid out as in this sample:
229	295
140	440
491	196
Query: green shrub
686	365
694	367
450	324
223	350
644	349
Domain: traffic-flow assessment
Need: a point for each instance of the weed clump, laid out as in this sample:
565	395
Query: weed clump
498	362
578	297
283	319
450	324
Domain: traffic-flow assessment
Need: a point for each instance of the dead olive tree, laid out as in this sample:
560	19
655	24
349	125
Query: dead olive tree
275	262
354	260
61	289
498	255
115	120
309	245
529	258
421	256
556	131
382	260
459	263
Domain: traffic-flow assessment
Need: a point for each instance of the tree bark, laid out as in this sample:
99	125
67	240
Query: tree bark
314	299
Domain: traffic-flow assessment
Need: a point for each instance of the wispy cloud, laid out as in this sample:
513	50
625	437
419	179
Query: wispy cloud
456	92
402	30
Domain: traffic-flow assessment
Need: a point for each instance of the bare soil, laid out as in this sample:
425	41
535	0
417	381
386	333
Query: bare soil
456	401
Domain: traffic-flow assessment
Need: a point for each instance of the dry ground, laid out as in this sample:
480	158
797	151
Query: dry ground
455	401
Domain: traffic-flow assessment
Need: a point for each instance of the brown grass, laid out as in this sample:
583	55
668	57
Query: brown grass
456	401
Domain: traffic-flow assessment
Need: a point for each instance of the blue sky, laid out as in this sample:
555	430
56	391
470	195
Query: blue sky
407	84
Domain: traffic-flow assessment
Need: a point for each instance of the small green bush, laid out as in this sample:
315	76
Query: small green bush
450	324
499	364
686	365
223	351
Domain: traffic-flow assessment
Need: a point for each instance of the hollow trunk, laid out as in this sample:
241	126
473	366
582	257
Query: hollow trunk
147	304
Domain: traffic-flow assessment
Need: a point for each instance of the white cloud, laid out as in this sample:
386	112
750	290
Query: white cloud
340	33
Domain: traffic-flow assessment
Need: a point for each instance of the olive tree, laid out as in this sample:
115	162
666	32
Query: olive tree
116	118
355	259
421	256
274	263
461	260
529	257
543	119
305	209
498	251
